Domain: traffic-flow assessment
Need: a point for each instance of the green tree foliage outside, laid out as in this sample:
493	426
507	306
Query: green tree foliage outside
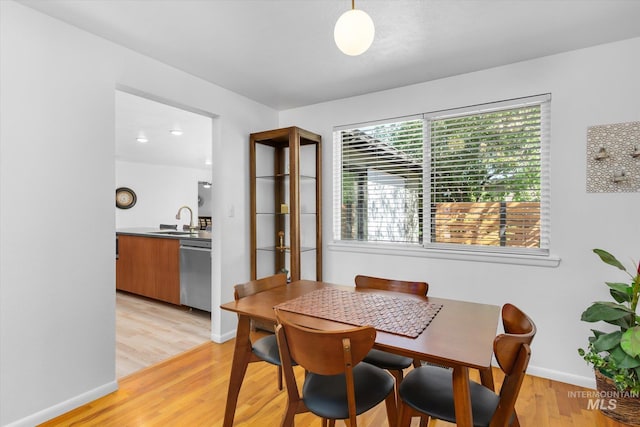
487	157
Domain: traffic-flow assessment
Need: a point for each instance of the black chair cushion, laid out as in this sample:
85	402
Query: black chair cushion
385	360
266	348
326	395
429	389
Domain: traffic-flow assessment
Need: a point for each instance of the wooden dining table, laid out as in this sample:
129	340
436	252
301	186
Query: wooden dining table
460	336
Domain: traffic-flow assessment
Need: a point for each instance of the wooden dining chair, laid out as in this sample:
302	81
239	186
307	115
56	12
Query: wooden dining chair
428	390
392	362
336	385
486	374
264	349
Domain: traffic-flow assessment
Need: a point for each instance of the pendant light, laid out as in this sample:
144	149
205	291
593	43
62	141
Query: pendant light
354	31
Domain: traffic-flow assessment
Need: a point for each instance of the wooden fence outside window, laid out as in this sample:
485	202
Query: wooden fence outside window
515	224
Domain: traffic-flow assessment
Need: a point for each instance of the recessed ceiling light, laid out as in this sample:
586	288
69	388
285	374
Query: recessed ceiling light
207	162
142	139
176	132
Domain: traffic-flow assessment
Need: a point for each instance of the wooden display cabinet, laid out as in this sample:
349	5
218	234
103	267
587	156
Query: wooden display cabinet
286	220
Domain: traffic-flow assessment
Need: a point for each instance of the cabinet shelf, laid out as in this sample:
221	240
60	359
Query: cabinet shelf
285	176
285	173
275	249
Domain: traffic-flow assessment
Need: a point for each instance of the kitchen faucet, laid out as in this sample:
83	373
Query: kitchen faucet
192	227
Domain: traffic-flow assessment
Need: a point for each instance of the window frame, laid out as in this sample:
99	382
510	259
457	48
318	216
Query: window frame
539	256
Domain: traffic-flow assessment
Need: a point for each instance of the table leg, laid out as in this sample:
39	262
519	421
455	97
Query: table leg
241	356
462	396
486	378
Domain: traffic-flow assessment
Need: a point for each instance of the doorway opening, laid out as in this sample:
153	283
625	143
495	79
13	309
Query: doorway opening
163	152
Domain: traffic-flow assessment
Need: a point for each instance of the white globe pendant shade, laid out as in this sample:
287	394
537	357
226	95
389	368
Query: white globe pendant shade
354	32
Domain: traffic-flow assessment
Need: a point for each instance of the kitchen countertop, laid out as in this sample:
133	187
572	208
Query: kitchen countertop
164	233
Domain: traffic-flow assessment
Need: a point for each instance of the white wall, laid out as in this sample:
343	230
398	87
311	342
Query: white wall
57	221
589	87
160	191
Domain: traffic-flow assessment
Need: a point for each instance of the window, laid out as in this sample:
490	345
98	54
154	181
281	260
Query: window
472	178
381	182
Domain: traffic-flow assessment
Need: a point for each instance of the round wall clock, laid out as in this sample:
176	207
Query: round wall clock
125	198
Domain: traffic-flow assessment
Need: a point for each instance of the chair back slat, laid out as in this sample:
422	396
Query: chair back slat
517	322
519	329
326	352
408	287
255	287
260	285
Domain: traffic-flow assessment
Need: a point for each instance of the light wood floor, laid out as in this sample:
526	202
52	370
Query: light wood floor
148	332
190	390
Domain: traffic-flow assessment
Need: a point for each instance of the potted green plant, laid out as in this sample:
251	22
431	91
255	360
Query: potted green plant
615	354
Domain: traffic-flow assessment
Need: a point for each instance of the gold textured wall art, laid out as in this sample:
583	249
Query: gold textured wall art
613	158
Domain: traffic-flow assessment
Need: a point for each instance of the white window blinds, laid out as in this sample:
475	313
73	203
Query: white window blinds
379	176
474	178
485	170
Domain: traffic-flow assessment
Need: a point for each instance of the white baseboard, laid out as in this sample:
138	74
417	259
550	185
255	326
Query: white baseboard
66	406
224	337
587	382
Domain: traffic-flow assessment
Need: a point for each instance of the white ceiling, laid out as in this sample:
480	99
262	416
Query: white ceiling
281	52
137	116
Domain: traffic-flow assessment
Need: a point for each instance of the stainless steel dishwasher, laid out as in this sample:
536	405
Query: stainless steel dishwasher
195	274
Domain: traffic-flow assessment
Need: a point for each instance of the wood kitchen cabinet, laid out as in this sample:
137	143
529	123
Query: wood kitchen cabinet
286	221
149	266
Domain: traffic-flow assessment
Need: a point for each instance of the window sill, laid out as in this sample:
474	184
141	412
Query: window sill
460	255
